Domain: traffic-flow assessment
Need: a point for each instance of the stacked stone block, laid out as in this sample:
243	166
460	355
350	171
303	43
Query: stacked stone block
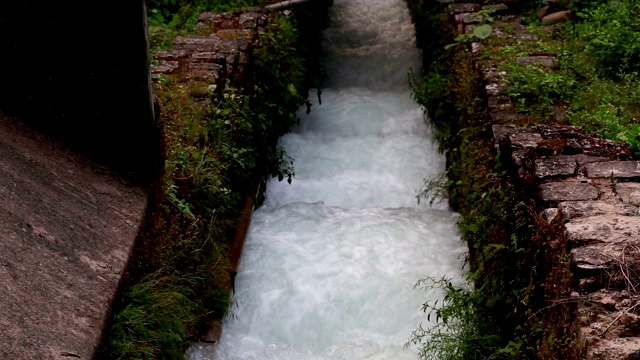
587	188
218	53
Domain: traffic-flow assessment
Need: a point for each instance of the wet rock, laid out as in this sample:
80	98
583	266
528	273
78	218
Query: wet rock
497	88
559	165
587	159
219	53
217	21
624	348
556	18
603	148
606	299
498	32
195	44
553	146
545	61
476	47
492	74
567	191
609	228
214	333
201	351
522	34
500	131
468	29
589	285
573	147
469	18
497	8
520	158
601	221
576	209
543	12
164	67
508	115
613	169
629	193
498	103
464	8
172	54
252	20
565	131
524	139
208	57
234	34
589	259
549	215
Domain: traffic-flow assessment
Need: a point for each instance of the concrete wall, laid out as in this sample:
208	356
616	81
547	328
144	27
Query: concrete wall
79	71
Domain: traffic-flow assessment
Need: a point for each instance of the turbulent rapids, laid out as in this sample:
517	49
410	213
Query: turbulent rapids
331	260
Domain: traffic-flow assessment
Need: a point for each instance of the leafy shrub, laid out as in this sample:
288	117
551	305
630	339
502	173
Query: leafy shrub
631	136
177	11
613	32
532	84
216	146
452	334
161	312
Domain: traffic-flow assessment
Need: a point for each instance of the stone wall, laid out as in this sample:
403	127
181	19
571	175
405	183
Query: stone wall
586	188
218	54
589	191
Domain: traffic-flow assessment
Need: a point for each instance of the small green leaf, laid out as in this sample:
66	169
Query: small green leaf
292	89
482	31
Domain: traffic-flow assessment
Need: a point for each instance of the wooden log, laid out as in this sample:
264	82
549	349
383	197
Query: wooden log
285	4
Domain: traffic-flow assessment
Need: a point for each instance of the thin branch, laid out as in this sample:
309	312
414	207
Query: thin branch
618	317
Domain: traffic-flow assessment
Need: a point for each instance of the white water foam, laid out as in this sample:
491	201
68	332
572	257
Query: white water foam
331	260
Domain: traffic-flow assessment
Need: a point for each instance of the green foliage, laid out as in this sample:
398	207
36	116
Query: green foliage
169	18
161	312
452	333
435	190
611	32
501	316
602	51
631	135
480	32
596	75
433	93
283	80
218	145
535	86
180	12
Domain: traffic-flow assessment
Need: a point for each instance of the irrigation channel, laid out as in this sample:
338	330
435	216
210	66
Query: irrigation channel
331	260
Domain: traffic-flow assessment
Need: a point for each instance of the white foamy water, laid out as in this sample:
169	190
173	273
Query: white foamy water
331	260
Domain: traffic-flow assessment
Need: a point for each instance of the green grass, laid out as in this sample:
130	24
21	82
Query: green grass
596	78
161	312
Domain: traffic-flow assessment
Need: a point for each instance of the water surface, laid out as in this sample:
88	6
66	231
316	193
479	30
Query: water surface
331	260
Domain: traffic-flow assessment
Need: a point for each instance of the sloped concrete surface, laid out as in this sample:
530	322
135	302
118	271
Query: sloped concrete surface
67	227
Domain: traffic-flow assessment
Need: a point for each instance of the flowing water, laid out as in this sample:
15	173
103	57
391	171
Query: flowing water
331	260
